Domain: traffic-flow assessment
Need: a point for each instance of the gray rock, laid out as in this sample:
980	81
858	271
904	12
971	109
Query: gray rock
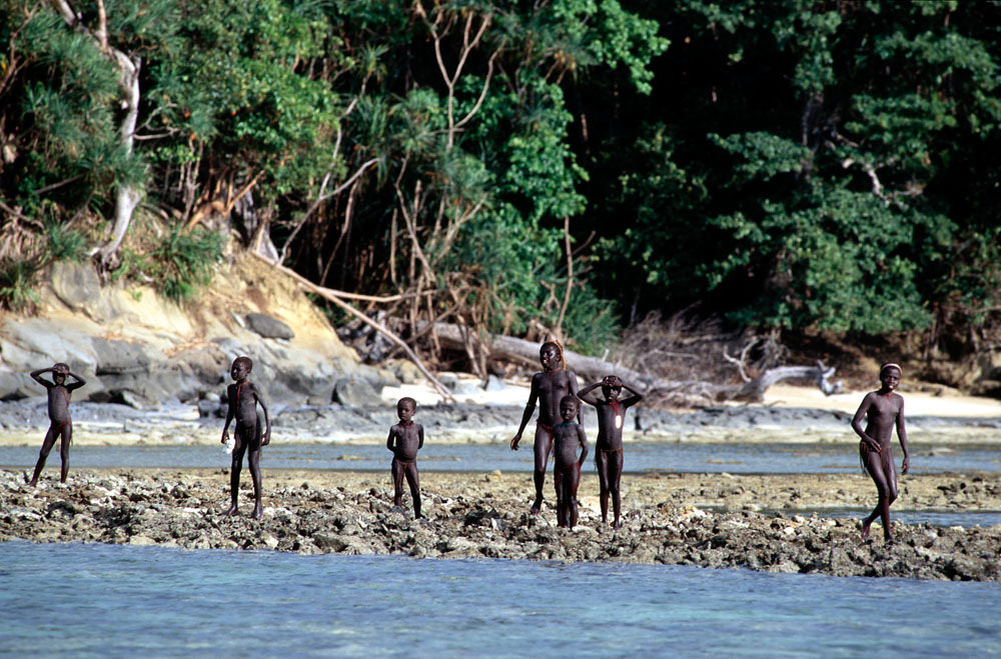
120	357
17	386
76	284
268	327
355	392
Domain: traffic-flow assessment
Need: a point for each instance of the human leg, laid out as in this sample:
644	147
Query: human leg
614	479
414	480
47	443
66	436
874	467
601	462
254	462
397	469
236	465
571	480
543	442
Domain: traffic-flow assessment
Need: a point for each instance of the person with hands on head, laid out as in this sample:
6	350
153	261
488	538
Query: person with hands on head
60	423
608	446
548	388
882	409
243	399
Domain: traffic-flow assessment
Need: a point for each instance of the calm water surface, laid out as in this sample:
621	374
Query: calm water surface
680	458
109	600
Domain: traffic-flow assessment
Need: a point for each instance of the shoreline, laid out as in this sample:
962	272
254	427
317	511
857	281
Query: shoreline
486	515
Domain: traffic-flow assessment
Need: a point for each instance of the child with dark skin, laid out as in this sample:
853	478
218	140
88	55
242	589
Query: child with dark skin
883	409
60	423
567	437
405	439
608	446
244	397
548	387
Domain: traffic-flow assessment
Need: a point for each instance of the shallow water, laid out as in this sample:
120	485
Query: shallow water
679	458
112	600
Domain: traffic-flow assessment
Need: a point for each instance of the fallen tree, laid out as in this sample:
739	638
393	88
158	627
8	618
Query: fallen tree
683	392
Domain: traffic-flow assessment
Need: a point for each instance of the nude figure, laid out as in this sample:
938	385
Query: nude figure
244	397
882	409
567	438
405	439
608	446
548	387
60	423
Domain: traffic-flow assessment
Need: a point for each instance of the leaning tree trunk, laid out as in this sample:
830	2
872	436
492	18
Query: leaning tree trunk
127	195
506	348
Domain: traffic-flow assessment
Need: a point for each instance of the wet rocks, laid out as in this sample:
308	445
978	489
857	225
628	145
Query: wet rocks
352	513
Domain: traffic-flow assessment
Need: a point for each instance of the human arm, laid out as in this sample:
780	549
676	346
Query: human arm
389	439
230	413
267	419
586	395
420	436
79	381
632	400
582	439
526	416
857	423
35	375
902	436
572	390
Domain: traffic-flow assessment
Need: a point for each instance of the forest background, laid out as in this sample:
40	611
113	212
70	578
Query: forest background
825	173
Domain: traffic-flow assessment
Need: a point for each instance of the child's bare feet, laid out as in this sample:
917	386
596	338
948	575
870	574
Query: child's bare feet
258	511
231	511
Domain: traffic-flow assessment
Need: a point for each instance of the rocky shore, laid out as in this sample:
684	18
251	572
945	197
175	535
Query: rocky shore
718	521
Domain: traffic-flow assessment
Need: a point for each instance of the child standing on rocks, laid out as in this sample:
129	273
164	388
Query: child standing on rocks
883	409
244	397
608	446
405	439
60	423
567	438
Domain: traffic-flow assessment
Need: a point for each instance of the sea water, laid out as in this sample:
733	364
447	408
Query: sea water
116	601
810	458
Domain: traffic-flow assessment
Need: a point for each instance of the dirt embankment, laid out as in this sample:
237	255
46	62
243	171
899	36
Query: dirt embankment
487	516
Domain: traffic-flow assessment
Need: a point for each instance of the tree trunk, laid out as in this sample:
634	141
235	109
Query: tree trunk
689	392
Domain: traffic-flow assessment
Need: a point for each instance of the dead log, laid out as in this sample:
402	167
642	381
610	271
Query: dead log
689	392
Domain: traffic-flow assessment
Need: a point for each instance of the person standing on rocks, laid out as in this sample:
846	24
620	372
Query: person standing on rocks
405	439
60	423
883	409
567	438
243	398
549	387
608	446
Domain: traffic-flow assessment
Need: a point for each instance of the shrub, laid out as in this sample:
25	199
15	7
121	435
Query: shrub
182	262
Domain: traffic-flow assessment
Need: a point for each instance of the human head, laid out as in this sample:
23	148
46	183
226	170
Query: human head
569	405
551	356
611	387
405	408
241	368
889	375
59	372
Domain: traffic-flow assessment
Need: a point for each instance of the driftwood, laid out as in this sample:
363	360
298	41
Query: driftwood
506	348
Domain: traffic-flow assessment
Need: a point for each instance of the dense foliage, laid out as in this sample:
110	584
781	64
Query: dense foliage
521	165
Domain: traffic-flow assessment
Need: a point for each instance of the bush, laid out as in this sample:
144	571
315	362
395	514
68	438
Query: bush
182	262
17	279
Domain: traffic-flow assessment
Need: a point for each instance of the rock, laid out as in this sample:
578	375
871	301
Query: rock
76	284
17	386
269	327
355	392
120	357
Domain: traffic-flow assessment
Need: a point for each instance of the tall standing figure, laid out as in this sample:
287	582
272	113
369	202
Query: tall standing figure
608	447
882	409
60	423
548	387
244	396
